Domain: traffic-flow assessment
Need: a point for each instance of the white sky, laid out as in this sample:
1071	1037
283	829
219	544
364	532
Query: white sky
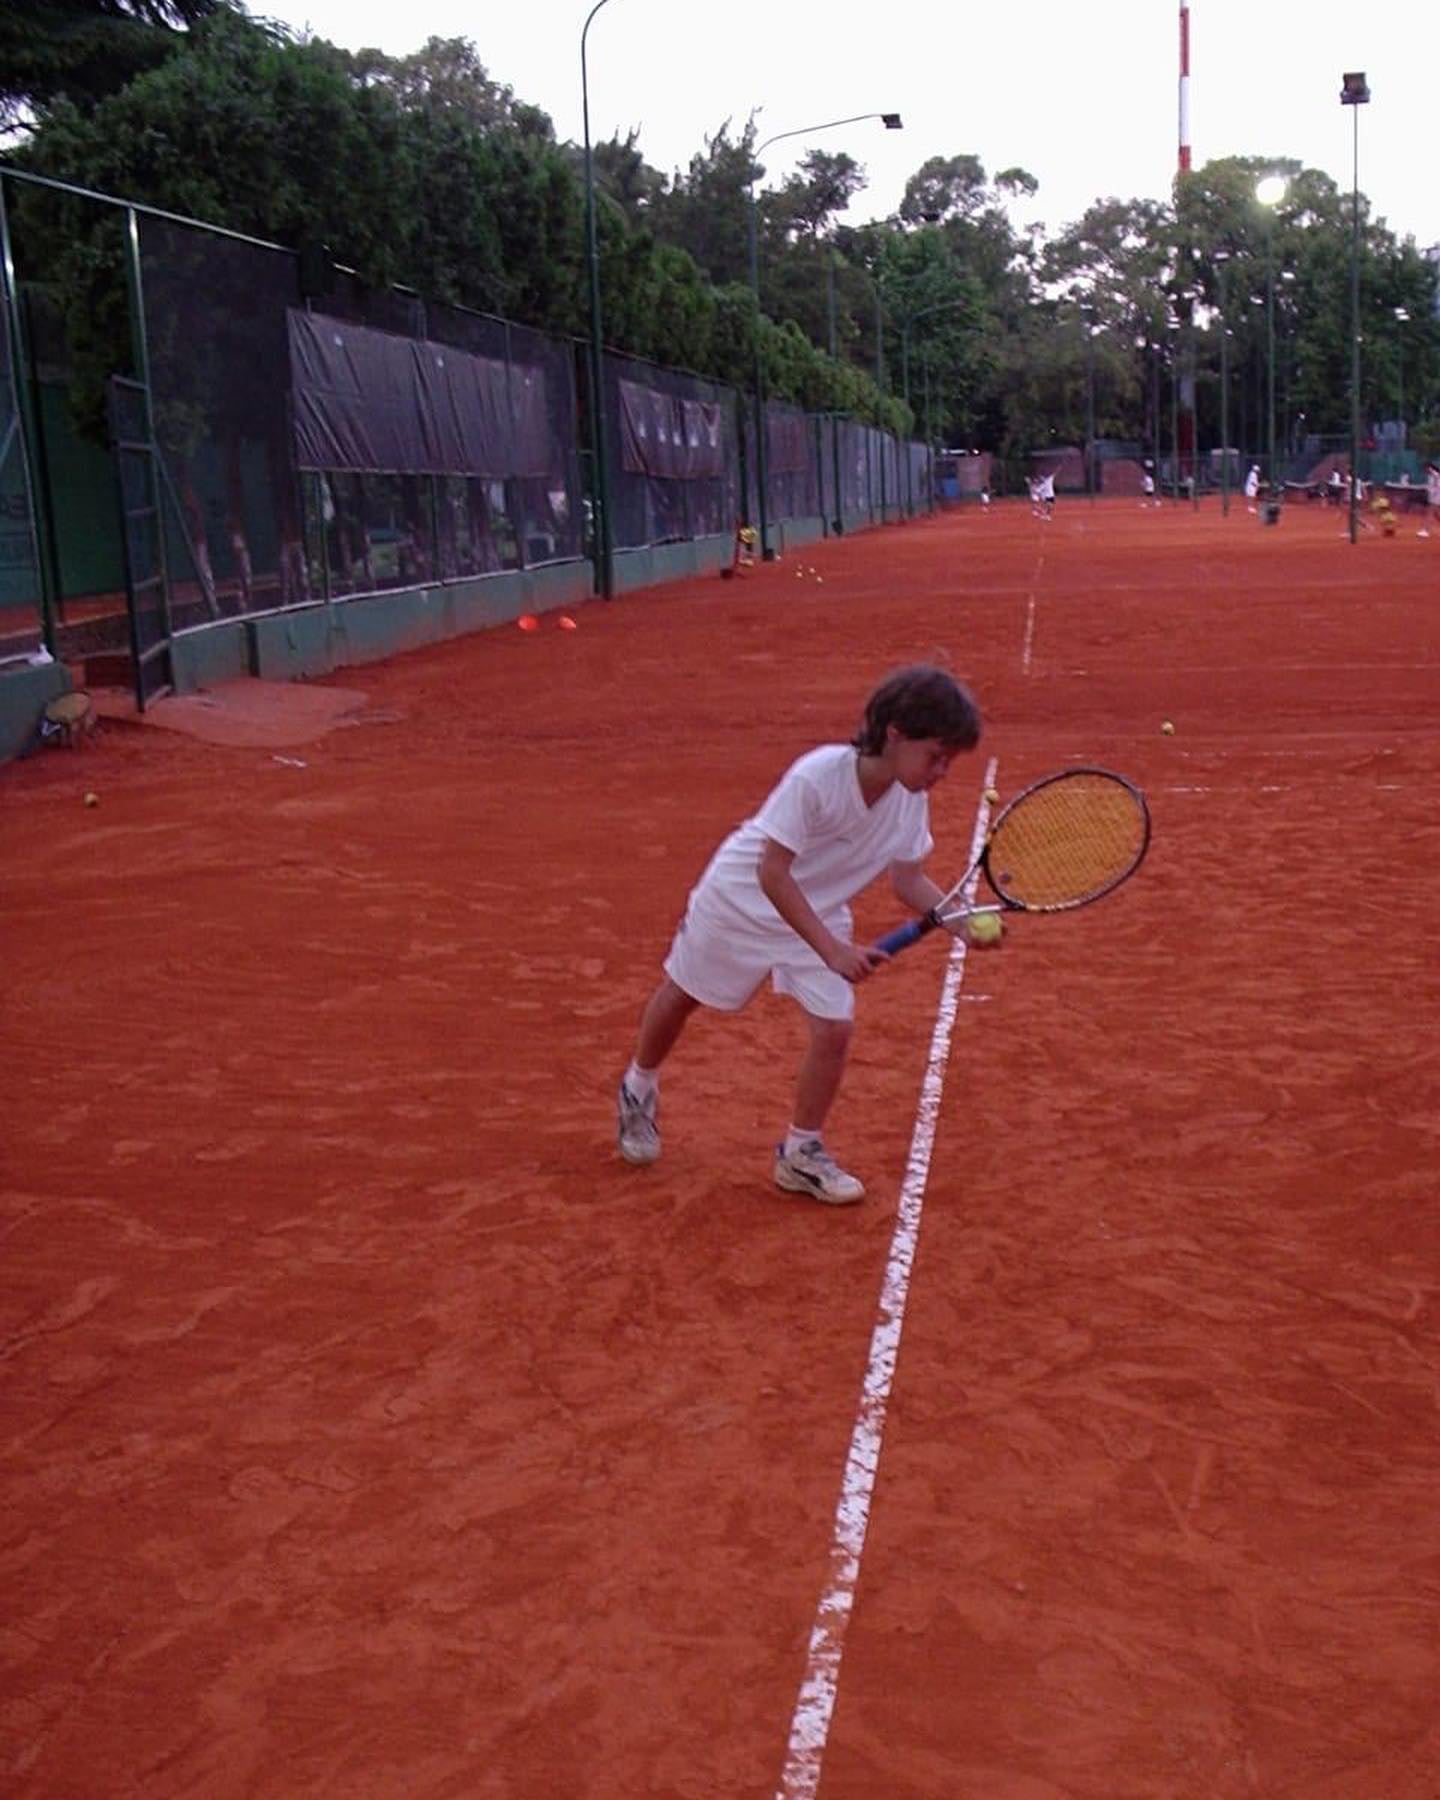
1082	93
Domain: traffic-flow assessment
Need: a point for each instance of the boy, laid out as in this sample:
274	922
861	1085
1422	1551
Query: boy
774	901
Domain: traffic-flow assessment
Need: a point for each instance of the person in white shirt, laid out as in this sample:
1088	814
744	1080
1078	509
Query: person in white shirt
1432	495
1045	494
774	900
1252	486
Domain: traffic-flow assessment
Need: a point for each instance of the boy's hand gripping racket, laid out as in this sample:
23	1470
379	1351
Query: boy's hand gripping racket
1063	842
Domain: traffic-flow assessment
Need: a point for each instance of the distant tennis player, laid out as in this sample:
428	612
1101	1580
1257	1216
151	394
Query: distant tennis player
1432	496
774	900
1252	487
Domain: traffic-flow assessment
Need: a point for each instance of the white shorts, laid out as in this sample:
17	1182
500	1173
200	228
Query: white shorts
719	958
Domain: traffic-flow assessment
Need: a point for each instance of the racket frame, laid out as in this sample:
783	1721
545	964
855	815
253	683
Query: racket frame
944	912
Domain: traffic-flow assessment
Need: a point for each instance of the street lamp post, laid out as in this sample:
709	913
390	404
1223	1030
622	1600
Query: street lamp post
892	122
599	476
1354	92
1270	191
1222	293
880	382
1090	330
1173	324
1402	317
905	324
838	521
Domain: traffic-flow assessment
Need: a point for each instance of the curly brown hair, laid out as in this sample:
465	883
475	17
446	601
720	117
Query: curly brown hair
920	702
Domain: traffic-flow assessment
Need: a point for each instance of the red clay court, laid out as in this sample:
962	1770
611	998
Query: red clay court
373	1431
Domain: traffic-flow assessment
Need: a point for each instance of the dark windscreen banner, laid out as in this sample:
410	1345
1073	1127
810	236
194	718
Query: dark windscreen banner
790	445
668	437
372	402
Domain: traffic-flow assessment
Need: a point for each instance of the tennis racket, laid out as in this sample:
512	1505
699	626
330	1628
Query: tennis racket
1063	842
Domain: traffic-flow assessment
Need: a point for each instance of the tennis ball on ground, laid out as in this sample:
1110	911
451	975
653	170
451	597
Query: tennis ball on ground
92	799
992	795
1168	729
984	930
528	622
567	623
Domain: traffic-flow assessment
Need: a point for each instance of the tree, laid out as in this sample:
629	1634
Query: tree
707	210
447	77
623	174
82	50
810	199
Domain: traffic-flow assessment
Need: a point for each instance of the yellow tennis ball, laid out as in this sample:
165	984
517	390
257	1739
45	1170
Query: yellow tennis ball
984	930
1168	729
992	795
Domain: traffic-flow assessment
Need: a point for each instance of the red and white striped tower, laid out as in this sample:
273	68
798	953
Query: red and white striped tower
1184	87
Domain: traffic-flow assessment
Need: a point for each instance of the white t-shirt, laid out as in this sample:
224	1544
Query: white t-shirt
1252	484
1045	488
840	844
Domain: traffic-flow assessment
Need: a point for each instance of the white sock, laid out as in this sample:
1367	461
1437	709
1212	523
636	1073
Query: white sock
795	1137
642	1083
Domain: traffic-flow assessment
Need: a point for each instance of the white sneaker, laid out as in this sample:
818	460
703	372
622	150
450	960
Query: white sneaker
811	1169
636	1131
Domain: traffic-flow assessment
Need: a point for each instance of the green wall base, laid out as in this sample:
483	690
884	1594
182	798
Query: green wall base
315	640
670	562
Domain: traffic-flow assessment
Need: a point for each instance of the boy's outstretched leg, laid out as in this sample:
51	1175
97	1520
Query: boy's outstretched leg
802	1163
638	1102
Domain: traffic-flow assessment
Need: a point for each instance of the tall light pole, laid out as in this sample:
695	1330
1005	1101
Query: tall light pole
839	518
1354	92
1173	324
880	381
905	324
1091	332
1222	292
930	218
1270	191
600	478
1402	317
892	122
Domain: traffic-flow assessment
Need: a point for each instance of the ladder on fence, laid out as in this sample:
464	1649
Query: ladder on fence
147	589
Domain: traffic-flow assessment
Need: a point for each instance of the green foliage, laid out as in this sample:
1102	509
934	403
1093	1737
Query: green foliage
448	79
423	170
82	50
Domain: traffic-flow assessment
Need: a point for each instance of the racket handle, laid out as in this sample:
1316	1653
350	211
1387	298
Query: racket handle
903	936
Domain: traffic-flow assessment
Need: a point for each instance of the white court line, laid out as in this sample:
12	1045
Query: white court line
810	1723
1029	645
1029	636
1399	665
